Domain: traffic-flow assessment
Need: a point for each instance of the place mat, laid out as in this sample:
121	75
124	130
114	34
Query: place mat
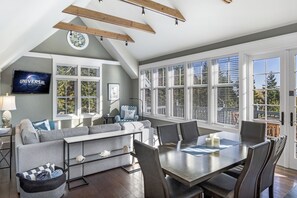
203	149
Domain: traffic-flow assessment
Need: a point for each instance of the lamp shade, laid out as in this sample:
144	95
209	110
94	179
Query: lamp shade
7	103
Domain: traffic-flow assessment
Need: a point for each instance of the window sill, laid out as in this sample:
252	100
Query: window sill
218	127
75	117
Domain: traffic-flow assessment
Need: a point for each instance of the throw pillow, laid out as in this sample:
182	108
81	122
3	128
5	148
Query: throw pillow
129	114
42	125
52	124
29	137
31	174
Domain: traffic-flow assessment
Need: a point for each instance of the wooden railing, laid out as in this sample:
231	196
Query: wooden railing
273	130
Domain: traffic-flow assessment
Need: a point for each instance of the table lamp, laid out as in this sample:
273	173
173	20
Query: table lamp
7	103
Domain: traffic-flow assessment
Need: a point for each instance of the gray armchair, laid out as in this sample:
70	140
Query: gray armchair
127	114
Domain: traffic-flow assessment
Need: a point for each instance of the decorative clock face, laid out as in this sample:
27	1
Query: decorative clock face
77	40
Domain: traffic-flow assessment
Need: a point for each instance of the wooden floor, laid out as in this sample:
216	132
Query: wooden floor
117	183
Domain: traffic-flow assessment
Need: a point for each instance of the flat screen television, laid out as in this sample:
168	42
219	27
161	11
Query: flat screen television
31	82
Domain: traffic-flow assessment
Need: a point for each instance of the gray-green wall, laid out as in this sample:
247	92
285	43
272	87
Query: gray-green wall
40	106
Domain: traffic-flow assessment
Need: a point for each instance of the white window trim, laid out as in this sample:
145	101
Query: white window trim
80	63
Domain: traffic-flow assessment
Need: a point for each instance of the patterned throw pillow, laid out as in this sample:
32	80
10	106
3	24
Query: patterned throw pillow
43	125
129	114
31	174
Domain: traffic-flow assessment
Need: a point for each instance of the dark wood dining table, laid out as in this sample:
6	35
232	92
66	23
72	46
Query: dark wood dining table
192	169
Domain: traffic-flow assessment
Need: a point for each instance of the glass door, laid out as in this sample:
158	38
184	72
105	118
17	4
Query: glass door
292	109
268	92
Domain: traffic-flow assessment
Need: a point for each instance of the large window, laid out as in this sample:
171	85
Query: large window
177	90
146	90
76	90
182	91
227	89
198	72
161	91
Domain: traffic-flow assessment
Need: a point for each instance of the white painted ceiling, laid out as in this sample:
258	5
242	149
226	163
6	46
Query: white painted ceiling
25	24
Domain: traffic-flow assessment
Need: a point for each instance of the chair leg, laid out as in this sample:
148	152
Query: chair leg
271	191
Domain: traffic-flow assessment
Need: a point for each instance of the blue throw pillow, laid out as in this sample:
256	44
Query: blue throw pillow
52	124
42	125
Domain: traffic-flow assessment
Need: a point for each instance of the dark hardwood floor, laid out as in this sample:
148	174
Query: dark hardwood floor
117	183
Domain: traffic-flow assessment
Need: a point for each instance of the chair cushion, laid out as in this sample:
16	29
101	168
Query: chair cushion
129	114
178	190
126	107
234	172
222	185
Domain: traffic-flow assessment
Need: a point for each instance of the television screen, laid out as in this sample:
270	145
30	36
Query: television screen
31	82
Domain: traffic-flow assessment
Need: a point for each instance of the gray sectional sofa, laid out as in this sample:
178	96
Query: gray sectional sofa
33	148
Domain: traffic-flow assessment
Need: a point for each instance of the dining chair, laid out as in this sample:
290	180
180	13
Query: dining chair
245	186
156	185
189	130
168	134
266	179
253	131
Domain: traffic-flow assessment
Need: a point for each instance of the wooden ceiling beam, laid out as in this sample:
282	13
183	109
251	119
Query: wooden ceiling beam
157	7
93	31
99	16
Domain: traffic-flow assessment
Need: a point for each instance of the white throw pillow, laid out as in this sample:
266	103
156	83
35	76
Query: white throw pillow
129	114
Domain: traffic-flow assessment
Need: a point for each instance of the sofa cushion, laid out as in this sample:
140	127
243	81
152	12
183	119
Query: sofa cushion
70	132
52	135
105	128
136	125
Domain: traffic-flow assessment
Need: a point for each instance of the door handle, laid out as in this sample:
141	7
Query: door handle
282	118
291	119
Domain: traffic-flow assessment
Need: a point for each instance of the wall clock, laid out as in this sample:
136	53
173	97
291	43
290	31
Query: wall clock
77	40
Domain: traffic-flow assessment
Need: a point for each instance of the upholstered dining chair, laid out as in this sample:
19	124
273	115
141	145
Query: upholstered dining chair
189	130
168	134
156	185
266	179
253	131
246	185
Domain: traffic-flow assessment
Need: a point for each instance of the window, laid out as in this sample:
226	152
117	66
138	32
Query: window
146	83
66	100
226	89
77	89
198	73
161	91
177	90
266	89
192	82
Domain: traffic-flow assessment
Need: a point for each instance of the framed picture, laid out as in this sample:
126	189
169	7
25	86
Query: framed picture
113	91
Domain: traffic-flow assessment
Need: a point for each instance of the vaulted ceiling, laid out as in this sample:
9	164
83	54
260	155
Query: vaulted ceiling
25	24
